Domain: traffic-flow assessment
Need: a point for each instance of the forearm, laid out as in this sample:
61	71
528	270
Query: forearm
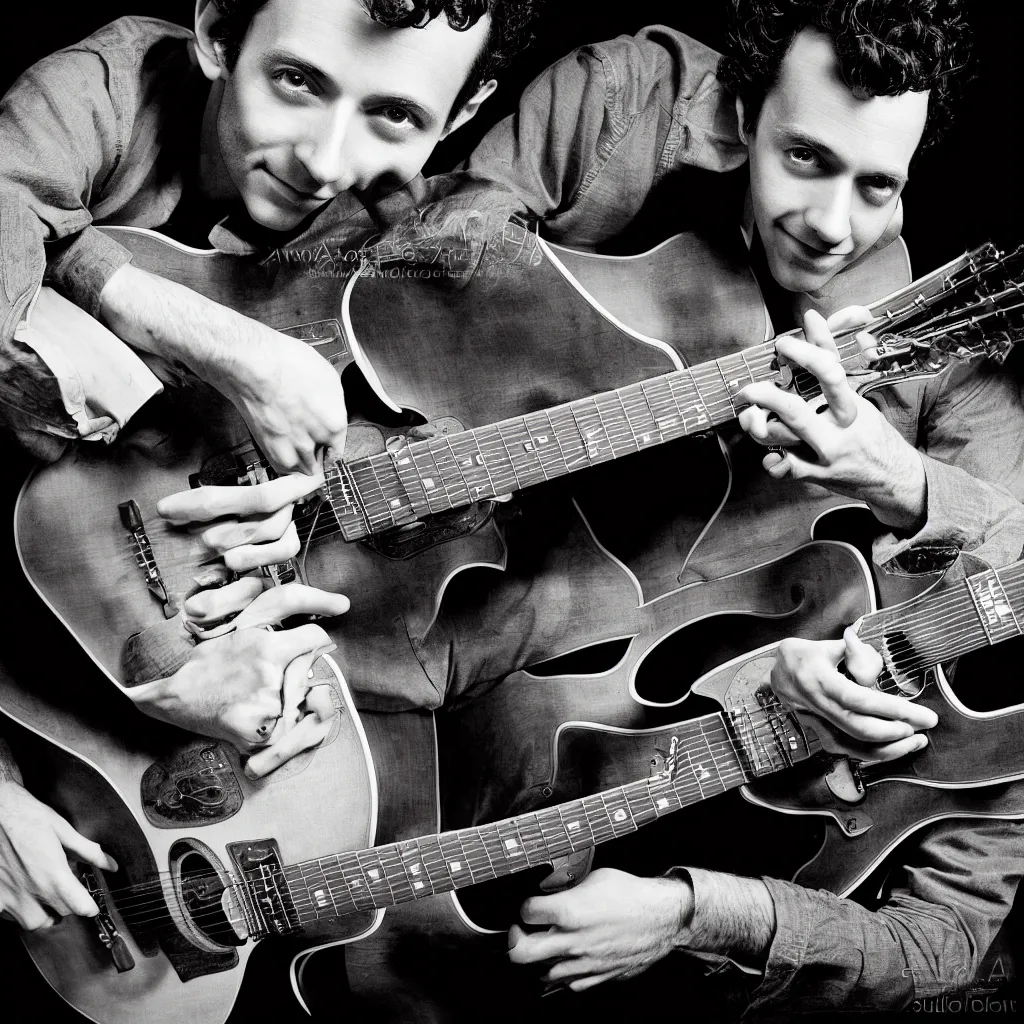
729	915
169	320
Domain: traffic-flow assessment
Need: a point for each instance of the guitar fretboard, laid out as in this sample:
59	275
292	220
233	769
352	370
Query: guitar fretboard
710	755
449	471
984	609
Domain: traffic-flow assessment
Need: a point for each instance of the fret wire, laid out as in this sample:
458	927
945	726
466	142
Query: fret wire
497	458
369	873
455	460
725	384
629	424
558	440
391	857
583	434
583	456
413	846
326	887
360	888
472	452
530	448
439	476
650	408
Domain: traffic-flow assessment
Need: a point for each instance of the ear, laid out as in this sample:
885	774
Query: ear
470	107
740	122
209	53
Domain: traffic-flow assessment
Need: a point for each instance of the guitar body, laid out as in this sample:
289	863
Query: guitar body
556	344
542	738
162	800
80	558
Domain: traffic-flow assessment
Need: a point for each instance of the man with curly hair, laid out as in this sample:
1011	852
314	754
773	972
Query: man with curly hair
271	115
803	139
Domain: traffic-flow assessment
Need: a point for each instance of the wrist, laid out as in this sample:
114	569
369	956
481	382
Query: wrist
682	906
904	506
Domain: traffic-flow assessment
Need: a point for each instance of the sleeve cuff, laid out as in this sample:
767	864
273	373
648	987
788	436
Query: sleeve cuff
80	266
102	382
963	515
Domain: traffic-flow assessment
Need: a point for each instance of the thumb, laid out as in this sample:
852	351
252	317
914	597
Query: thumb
308	732
289	644
863	662
780	465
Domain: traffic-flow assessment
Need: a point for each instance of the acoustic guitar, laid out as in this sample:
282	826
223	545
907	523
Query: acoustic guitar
546	735
393	527
211	862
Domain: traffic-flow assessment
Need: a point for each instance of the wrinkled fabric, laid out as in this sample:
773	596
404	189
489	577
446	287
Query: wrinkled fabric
594	138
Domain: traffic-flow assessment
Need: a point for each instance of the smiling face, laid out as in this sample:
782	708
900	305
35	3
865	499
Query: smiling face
323	99
826	168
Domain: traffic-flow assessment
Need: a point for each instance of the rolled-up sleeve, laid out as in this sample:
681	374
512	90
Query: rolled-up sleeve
832	953
62	136
967	426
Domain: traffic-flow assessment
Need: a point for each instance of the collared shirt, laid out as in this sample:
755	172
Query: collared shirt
107	132
611	136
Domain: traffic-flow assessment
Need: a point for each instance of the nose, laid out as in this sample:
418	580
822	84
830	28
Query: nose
829	216
326	152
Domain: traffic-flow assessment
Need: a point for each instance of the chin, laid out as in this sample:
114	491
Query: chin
799	279
273	217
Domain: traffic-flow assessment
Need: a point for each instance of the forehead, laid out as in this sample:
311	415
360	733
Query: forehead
875	134
362	56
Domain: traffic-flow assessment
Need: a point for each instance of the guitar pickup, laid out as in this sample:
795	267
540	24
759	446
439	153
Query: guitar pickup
106	930
131	520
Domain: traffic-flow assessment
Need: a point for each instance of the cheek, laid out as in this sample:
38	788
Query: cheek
868	223
401	160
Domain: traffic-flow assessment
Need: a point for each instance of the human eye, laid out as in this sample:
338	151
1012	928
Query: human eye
803	158
396	115
879	190
293	82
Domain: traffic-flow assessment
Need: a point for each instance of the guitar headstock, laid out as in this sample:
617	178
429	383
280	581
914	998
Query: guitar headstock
972	308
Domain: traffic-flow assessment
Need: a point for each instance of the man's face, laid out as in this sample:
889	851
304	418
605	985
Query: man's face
826	168
324	99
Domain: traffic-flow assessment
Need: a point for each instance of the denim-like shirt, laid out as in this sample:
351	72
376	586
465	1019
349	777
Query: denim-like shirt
107	132
595	139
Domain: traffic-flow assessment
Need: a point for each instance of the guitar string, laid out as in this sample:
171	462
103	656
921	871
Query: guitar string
719	749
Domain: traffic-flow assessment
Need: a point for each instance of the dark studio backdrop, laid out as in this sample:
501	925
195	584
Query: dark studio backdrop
963	192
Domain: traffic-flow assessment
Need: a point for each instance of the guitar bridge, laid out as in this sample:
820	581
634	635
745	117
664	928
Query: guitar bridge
131	520
106	930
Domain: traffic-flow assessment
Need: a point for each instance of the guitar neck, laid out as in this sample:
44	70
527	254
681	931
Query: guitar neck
708	756
982	610
421	478
449	471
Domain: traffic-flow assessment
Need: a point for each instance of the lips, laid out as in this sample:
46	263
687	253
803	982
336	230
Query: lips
809	253
297	196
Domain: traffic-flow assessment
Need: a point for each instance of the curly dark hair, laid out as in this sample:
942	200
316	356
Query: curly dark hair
884	48
510	31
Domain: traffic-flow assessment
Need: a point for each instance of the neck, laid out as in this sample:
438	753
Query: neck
985	609
705	756
214	181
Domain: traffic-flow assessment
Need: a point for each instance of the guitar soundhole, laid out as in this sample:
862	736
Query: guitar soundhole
202	889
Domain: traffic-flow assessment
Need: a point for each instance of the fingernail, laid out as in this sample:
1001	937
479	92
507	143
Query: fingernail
922	741
320	652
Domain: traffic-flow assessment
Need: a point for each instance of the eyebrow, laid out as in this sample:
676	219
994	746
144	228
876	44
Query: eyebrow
425	114
799	137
